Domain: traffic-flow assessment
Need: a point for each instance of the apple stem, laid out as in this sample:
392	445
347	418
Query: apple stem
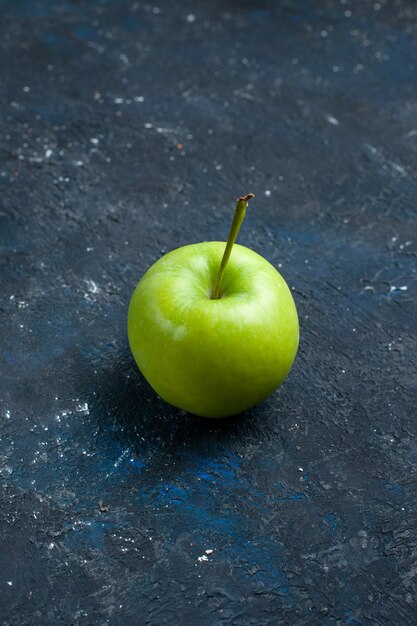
238	218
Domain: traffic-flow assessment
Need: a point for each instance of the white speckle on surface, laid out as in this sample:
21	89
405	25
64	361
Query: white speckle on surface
139	99
92	287
51	545
398	168
26	89
209	551
267	192
332	120
17	106
118	100
9	582
83	408
94	141
148	125
116	464
202	558
190	18
48	153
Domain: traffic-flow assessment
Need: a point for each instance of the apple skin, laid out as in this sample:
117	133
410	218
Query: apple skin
213	358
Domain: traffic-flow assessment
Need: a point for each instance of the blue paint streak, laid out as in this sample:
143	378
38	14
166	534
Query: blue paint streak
395	489
88	535
173	494
288	495
86	33
224	472
331	523
260	13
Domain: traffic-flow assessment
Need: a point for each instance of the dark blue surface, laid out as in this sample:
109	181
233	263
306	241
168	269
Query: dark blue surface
129	129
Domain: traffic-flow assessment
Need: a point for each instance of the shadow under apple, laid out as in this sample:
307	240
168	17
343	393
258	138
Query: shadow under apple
129	410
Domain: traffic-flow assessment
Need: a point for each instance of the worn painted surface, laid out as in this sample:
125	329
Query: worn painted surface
128	129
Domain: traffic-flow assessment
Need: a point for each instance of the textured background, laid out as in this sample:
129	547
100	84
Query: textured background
127	129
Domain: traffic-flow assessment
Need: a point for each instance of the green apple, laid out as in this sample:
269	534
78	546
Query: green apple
213	326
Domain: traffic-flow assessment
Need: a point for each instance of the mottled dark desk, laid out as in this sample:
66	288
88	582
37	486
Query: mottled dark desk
129	128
